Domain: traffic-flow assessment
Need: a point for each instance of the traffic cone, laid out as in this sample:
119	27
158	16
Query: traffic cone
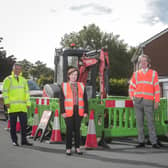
35	123
18	127
56	133
91	141
8	126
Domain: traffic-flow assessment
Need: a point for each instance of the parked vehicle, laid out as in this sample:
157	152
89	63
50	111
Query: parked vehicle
34	89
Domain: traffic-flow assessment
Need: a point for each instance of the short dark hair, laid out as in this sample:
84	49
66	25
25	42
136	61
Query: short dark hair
17	64
70	70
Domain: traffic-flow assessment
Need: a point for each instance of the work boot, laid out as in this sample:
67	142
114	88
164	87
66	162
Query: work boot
148	142
156	146
160	144
103	144
140	145
27	143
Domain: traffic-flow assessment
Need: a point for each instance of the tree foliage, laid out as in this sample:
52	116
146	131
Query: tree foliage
118	87
91	37
6	63
38	72
42	74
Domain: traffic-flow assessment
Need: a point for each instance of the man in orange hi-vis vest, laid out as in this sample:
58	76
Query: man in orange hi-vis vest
144	90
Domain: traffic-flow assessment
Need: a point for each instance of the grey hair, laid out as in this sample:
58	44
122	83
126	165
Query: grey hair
147	58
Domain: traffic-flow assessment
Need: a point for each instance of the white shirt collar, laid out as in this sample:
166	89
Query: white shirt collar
145	70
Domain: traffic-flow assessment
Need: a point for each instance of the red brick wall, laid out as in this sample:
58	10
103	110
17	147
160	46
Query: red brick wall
158	52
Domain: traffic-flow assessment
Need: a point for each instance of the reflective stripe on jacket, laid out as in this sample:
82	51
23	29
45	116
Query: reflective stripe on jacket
16	93
68	102
145	85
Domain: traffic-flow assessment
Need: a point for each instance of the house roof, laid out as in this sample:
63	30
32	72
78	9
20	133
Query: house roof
140	47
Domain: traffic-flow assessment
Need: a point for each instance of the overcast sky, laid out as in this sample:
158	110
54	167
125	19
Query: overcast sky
33	28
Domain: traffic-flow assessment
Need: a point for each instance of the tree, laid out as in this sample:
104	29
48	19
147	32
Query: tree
41	73
6	63
89	37
93	38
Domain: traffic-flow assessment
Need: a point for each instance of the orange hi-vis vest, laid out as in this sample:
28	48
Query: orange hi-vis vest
68	101
145	85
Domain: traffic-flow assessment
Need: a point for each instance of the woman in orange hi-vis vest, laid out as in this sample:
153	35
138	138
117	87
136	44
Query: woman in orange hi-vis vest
74	106
144	90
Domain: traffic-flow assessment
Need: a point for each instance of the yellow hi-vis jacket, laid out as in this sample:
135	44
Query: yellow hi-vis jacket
68	102
145	85
16	94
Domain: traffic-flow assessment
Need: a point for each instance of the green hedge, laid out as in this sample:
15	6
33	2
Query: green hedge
118	87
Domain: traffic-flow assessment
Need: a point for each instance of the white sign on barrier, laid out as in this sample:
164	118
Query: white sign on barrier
120	103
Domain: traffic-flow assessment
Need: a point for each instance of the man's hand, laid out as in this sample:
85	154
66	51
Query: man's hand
7	105
156	105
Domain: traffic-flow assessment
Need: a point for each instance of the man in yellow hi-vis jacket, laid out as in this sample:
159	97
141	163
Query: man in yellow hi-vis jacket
17	100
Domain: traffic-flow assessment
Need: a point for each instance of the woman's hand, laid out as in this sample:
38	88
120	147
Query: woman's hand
85	115
64	115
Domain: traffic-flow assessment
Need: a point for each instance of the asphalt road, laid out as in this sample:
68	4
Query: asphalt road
121	154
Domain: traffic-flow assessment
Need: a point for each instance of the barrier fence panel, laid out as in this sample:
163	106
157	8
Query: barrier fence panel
121	118
113	116
94	104
30	114
42	104
161	117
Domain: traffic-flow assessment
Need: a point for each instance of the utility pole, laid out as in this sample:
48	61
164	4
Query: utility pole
1	38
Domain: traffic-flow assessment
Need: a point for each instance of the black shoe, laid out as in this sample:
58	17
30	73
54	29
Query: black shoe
15	144
156	146
140	145
27	144
160	144
103	144
148	143
78	152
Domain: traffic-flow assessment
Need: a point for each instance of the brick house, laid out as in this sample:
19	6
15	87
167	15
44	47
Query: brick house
157	49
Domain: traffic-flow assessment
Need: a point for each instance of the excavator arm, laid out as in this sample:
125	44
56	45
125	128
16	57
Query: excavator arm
85	64
103	66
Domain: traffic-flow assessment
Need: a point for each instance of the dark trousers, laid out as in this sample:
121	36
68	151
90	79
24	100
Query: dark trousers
23	123
73	126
